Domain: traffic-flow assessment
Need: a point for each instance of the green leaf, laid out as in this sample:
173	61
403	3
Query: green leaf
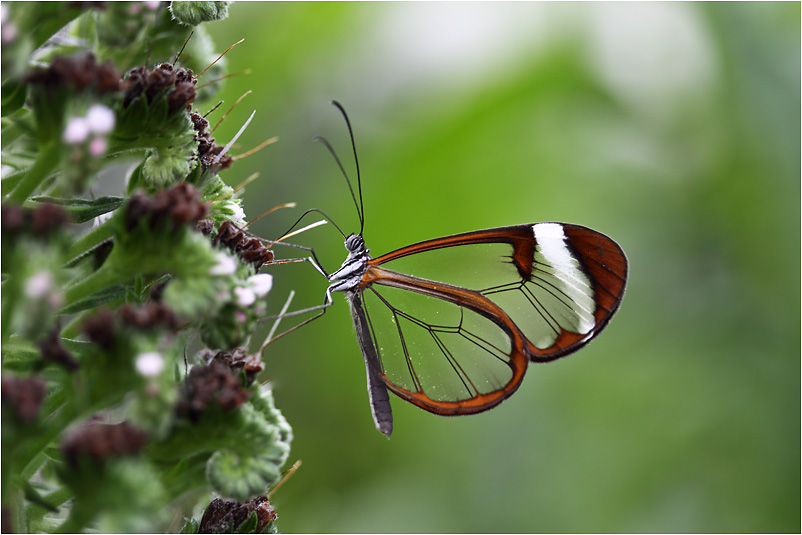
33	496
76	346
98	298
83	210
14	94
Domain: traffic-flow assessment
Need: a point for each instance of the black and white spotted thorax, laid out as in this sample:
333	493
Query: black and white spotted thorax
349	276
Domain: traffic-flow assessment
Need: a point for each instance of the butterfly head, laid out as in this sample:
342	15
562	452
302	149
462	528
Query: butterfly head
355	244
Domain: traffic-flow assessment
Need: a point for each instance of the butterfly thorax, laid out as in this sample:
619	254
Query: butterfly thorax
349	276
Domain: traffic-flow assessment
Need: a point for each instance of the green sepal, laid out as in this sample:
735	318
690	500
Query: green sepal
249	525
225	331
136	181
190	526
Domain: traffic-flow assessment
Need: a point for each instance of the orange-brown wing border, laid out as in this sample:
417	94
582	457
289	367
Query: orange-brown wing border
476	302
601	259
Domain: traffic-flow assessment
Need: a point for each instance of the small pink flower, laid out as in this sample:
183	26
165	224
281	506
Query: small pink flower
9	33
225	265
241	317
152	5
261	283
55	300
245	296
39	284
76	131
98	146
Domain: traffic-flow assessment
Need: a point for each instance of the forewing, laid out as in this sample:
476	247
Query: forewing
559	283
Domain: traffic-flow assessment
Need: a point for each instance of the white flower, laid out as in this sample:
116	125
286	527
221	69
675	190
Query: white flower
237	213
149	363
100	118
261	283
245	296
9	30
39	284
102	218
225	265
76	131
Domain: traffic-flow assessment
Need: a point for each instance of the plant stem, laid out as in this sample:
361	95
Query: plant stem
94	282
90	240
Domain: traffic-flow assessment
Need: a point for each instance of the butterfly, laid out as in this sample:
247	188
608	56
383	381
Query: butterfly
451	324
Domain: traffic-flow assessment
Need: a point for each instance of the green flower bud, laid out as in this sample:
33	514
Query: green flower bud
165	167
261	451
194	13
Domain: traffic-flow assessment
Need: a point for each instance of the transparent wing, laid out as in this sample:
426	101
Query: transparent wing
445	356
559	283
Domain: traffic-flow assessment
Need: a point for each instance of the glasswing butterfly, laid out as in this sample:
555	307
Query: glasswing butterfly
451	324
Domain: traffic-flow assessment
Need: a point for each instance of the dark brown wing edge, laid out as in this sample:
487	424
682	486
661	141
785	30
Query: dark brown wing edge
605	264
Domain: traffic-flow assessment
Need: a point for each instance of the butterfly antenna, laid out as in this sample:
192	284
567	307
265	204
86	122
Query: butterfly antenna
361	209
347	180
321	212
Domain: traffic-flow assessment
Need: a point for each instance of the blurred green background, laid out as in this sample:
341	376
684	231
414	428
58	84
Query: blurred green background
674	128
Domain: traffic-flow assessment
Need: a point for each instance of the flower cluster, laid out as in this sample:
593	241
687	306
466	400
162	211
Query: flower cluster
225	516
92	128
108	416
249	248
178	85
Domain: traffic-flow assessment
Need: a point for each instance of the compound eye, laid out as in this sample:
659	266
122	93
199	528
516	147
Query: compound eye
354	242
